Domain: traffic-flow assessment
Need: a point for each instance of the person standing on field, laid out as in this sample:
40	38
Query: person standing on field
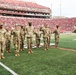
29	35
2	41
48	34
45	31
8	39
22	38
38	35
57	33
16	39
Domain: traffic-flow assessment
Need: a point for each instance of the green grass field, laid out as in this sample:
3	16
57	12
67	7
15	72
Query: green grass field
4	71
51	62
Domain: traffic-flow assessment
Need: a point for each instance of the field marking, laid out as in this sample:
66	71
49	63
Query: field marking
66	49
8	69
74	39
41	44
73	50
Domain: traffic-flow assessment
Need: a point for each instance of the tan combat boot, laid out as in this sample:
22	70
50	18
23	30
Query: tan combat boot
2	57
29	52
18	54
15	54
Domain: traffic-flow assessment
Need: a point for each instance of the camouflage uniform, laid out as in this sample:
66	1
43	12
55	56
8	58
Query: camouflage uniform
8	39
38	35
29	35
16	40
22	37
49	36
2	41
74	29
45	37
57	32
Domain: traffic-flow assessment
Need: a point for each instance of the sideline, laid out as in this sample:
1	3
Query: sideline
8	69
68	49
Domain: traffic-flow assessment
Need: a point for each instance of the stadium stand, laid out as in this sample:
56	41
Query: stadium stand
66	24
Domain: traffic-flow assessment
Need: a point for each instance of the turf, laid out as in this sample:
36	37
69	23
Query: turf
67	40
4	71
41	62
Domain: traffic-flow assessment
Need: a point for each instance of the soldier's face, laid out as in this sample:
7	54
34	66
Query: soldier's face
7	29
1	27
17	27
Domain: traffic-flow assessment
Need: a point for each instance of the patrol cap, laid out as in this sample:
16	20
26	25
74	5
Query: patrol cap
7	27
21	25
17	25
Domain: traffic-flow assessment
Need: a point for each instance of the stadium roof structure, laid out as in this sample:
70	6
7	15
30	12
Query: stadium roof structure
23	6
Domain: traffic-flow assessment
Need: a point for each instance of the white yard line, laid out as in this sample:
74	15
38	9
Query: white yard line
74	39
8	69
41	44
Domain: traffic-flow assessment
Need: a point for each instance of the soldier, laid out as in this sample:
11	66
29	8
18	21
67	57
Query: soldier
29	35
8	39
74	29
38	35
49	35
2	41
45	36
57	32
16	39
22	37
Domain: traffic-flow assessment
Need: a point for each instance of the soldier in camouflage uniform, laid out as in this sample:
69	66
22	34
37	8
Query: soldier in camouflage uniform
74	29
46	36
57	32
8	39
22	37
29	35
16	39
2	41
38	35
49	35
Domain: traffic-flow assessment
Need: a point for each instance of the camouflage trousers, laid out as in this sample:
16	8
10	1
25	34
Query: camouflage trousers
48	40
29	43
8	43
22	44
56	41
46	43
37	42
16	45
2	46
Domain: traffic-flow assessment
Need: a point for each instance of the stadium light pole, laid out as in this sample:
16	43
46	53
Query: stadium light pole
51	10
60	9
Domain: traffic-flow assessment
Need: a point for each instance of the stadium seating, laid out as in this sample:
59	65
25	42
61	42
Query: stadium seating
13	4
66	24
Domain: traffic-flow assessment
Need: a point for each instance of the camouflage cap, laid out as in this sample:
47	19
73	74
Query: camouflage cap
17	25
7	27
21	25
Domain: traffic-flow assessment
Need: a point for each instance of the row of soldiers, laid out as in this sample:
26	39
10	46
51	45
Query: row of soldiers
19	33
